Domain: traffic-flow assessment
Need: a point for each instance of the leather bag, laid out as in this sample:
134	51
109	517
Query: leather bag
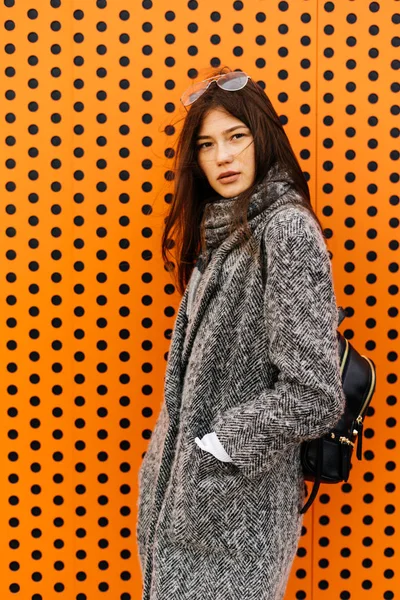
328	459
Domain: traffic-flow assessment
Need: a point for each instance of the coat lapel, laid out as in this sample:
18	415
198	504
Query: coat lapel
204	292
184	334
206	289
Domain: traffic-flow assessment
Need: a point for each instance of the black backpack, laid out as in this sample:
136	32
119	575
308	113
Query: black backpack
328	459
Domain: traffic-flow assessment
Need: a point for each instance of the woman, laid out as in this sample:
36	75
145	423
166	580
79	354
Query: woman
253	367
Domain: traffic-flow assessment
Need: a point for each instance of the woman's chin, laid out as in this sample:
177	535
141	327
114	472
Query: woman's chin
228	191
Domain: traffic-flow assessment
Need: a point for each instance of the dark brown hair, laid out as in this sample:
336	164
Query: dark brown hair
191	188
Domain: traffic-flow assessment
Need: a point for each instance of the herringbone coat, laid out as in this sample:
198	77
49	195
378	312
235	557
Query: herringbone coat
256	362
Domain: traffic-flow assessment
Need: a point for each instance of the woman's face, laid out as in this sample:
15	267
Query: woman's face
220	150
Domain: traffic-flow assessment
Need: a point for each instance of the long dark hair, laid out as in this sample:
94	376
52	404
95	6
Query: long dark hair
191	188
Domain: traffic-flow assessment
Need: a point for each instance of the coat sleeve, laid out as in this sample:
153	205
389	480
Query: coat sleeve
301	318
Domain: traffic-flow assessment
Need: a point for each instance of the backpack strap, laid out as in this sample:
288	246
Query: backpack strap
317	480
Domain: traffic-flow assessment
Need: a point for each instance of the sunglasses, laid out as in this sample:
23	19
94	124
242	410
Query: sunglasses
231	82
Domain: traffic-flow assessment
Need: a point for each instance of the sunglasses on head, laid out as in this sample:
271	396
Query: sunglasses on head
231	82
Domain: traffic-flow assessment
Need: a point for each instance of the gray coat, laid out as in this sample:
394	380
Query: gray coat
259	365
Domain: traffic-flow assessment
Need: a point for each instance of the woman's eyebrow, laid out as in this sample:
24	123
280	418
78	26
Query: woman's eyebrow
200	137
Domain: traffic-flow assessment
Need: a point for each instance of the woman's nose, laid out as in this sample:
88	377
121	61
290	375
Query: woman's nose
223	155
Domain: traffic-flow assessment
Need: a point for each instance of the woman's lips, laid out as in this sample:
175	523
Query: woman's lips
229	179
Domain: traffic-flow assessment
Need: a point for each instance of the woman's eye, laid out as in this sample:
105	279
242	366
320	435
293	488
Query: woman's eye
199	146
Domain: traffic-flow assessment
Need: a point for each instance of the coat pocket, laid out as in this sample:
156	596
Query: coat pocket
213	505
206	497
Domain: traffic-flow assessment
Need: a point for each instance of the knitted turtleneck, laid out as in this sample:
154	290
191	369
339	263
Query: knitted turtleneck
218	213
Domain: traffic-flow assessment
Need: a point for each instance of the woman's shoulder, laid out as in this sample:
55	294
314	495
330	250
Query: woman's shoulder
291	219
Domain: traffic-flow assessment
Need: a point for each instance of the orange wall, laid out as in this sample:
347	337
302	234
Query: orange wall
87	94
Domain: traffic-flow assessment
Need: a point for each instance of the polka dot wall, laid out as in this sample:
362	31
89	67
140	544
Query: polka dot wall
90	115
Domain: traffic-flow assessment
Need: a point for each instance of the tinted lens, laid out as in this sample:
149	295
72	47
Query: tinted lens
194	92
233	81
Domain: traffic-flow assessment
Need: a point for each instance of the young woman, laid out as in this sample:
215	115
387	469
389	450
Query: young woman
253	367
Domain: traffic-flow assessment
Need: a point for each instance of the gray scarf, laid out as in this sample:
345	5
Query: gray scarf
218	213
